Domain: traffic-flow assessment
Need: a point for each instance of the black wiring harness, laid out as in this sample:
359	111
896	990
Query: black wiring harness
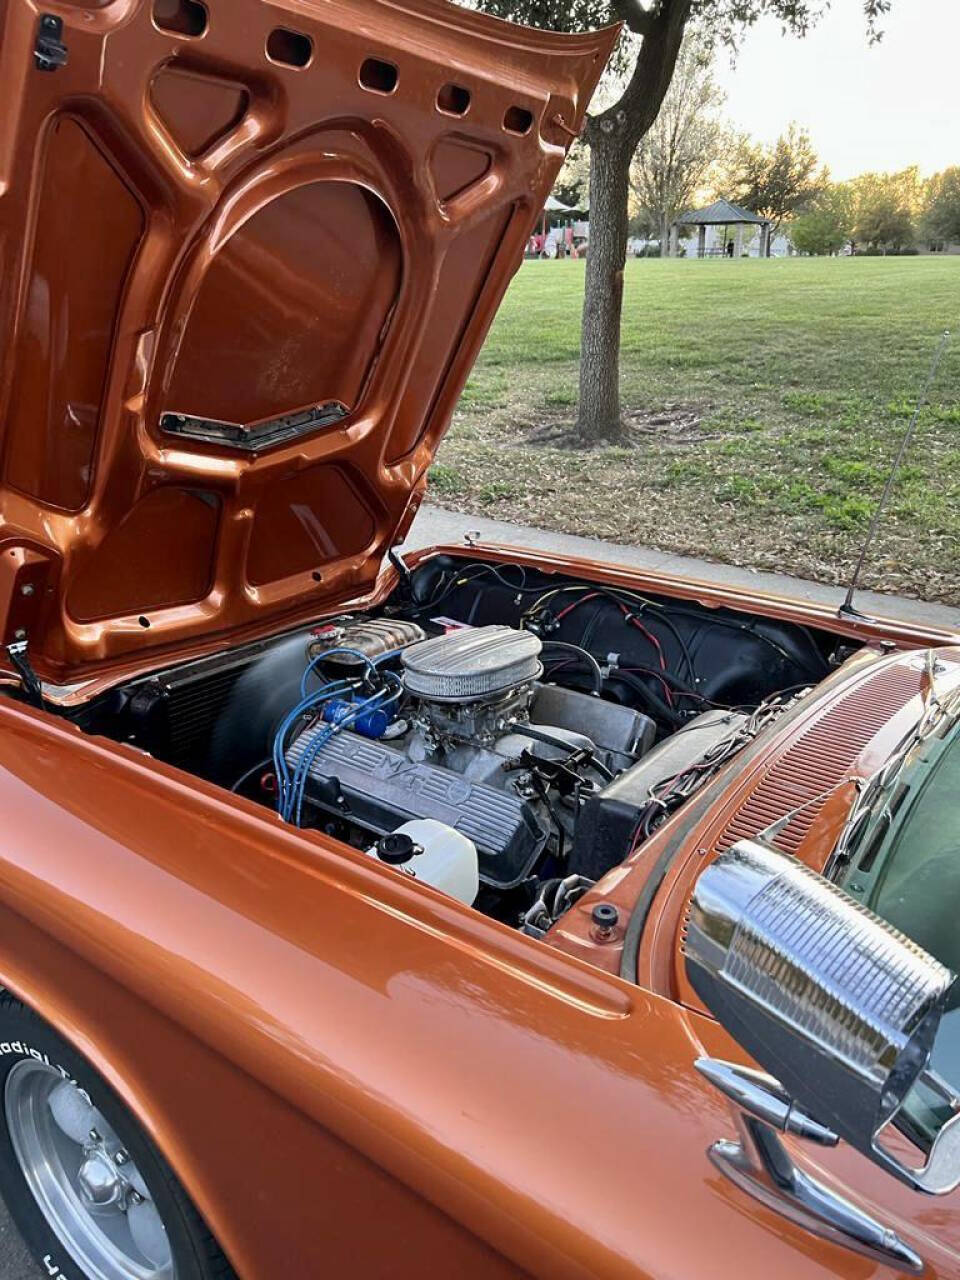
550	606
670	692
671	793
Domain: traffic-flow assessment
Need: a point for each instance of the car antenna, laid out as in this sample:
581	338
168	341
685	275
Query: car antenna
847	608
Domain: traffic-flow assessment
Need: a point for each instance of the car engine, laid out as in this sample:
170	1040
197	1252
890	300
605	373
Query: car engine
507	736
551	786
481	746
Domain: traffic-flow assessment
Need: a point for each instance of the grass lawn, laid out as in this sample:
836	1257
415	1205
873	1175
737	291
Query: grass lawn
767	400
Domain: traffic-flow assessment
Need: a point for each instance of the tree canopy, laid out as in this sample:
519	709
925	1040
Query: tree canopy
727	19
573	182
941	220
779	180
887	205
675	156
826	225
881	212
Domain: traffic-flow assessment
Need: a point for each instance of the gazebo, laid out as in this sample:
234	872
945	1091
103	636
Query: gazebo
726	214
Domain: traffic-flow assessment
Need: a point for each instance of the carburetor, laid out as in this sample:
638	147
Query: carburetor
472	686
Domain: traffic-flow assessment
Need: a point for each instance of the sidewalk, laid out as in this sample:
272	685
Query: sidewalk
435	525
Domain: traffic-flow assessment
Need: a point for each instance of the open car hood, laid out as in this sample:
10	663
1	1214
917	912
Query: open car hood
248	253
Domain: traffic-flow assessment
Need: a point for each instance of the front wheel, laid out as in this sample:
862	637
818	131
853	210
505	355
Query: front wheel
91	1194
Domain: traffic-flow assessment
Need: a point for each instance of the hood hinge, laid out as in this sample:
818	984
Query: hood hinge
17	653
404	574
24	585
49	51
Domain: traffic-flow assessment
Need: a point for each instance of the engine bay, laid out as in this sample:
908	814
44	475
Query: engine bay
507	735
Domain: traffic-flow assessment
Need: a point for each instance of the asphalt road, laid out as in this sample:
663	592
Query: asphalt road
15	1262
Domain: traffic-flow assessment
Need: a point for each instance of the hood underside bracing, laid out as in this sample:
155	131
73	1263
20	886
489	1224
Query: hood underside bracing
249	252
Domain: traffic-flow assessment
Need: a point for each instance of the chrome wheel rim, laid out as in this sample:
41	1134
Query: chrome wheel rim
91	1193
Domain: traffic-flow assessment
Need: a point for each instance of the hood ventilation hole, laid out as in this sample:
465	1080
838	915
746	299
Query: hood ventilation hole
453	99
182	17
379	77
289	48
517	120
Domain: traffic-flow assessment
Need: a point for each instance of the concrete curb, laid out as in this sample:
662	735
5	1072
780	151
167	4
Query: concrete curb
436	525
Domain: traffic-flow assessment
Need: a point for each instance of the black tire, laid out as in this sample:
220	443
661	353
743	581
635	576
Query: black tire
196	1254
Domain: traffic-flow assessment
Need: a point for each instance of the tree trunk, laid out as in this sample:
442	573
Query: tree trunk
599	412
613	137
664	236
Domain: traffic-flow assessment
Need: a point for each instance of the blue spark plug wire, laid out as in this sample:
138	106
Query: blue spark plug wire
290	790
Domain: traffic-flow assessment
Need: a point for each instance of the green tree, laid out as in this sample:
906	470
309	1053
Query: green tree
887	208
827	224
674	157
573	180
642	226
613	134
780	180
941	217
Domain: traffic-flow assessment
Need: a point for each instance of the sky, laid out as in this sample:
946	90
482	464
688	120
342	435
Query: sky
880	107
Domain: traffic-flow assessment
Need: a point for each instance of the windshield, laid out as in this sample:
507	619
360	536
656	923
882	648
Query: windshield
904	864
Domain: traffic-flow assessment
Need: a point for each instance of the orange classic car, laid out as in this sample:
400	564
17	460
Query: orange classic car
473	914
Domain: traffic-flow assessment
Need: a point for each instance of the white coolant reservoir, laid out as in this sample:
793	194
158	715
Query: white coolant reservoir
435	853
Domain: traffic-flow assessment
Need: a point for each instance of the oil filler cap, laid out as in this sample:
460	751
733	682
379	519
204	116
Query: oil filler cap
397	848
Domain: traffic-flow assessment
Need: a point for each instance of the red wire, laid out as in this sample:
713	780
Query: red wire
649	635
594	595
647	671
